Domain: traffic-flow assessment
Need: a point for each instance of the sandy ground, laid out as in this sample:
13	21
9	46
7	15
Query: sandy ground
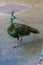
32	2
29	52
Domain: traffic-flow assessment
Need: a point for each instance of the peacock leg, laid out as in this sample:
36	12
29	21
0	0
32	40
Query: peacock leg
20	39
18	45
19	42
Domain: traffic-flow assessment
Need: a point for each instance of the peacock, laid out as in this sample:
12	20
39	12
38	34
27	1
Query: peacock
18	30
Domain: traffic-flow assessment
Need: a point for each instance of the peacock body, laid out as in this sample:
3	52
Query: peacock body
17	30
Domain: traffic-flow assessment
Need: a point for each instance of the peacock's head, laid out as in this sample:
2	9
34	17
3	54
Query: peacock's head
12	17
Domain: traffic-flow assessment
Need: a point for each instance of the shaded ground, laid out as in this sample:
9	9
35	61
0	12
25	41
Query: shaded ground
12	7
29	52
